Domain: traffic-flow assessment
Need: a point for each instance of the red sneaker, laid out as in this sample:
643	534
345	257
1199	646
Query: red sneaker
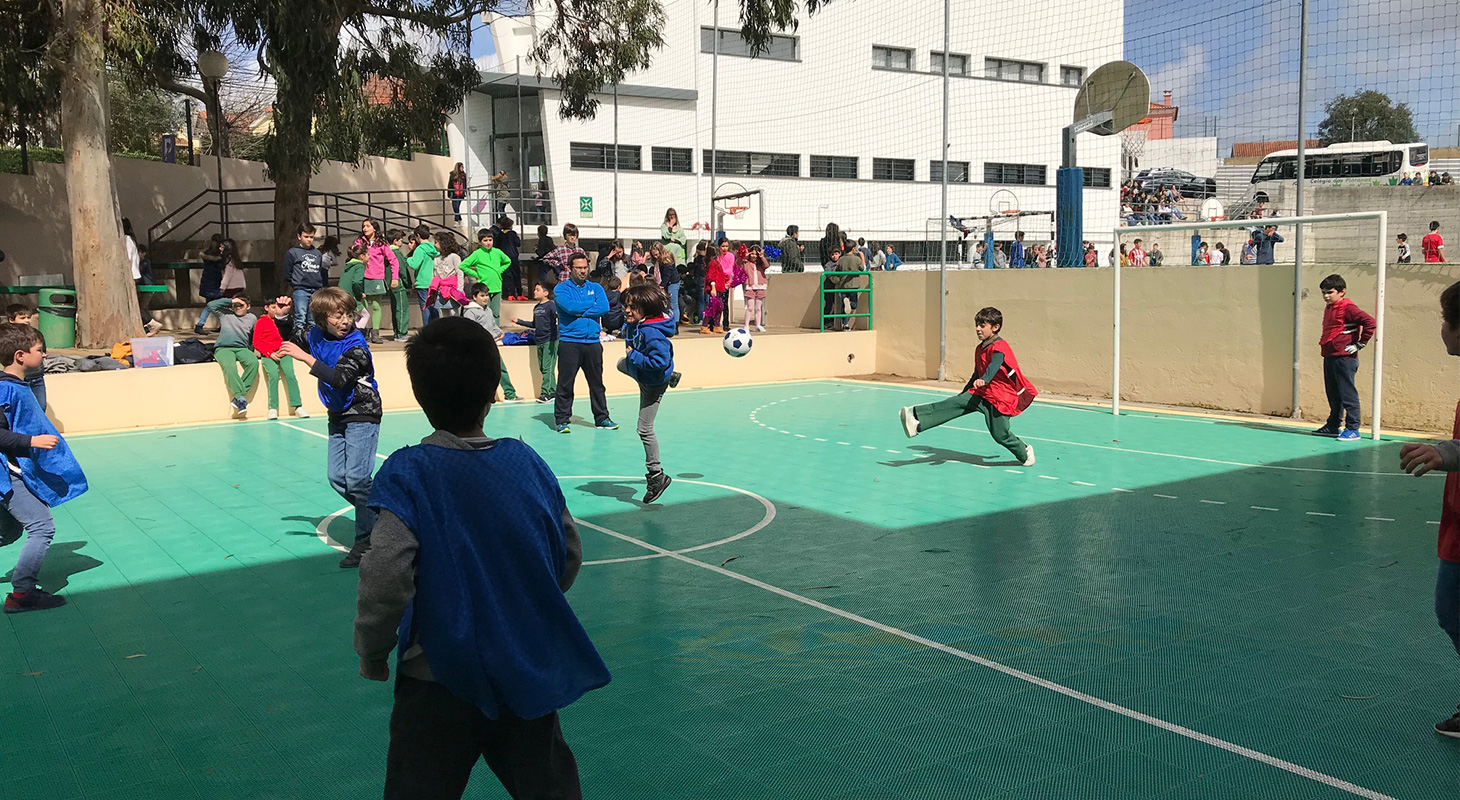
33	600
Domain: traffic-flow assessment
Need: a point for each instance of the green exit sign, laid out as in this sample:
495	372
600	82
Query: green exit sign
585	206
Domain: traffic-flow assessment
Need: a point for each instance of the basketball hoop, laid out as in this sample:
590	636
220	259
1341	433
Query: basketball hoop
737	211
1012	212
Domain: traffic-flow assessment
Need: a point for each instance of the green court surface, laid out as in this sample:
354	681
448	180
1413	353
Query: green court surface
1162	607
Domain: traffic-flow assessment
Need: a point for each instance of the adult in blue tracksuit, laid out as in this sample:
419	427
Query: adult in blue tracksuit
580	303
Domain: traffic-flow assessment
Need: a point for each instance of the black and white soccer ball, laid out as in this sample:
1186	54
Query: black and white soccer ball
738	342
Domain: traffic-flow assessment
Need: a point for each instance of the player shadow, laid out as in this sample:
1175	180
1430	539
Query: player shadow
937	455
63	560
312	522
622	491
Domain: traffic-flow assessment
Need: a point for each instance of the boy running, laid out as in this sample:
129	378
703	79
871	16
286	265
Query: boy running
998	389
649	360
1346	329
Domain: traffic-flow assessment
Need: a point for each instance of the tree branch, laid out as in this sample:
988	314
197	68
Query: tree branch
426	18
167	82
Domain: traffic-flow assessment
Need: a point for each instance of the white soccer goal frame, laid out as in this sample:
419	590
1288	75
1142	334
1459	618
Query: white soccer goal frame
1381	239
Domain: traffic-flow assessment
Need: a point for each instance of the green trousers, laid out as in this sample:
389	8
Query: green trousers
508	390
400	309
272	371
229	358
547	361
494	302
932	415
372	302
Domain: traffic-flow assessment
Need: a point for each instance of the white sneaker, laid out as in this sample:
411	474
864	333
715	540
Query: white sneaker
760	328
273	413
152	327
909	421
1028	455
301	413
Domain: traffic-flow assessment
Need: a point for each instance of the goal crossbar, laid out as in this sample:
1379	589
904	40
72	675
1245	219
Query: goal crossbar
1381	239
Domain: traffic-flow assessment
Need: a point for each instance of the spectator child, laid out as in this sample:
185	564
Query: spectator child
544	325
304	265
488	648
559	257
339	357
1405	256
268	334
613	320
35	377
479	310
504	238
40	472
1016	251
234	348
1156	256
636	257
1346	329
485	265
446	285
1417	458
1220	257
210	282
330	258
718	272
1433	245
1091	255
1001	261
891	260
649	360
998	389
792	251
755	288
422	264
352	277
1264	241
400	303
382	272
1137	255
670	280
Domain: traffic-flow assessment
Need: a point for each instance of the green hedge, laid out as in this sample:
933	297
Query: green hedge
10	157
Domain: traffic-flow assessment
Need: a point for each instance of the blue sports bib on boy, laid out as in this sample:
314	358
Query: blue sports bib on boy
52	475
489	611
329	351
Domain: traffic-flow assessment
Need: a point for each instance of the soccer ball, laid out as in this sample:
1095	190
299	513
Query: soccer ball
737	342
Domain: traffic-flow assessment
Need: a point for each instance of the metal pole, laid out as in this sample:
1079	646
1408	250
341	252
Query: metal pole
615	161
188	115
1298	231
943	222
1115	348
714	110
1380	259
521	153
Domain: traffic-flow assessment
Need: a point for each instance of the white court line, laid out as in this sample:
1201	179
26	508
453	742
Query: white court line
1213	502
1262	508
1166	496
1379	519
1181	730
1081	483
1319	514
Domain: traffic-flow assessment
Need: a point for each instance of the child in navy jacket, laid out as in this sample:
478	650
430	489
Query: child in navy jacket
649	360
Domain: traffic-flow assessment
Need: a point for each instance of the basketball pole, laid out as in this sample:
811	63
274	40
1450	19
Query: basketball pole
1298	231
943	224
714	108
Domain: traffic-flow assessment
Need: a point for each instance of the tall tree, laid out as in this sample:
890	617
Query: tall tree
1367	116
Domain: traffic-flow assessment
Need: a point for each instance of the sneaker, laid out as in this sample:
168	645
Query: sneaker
909	421
1445	727
273	413
656	483
357	552
544	398
1028	455
607	425
152	327
300	413
198	329
674	379
374	337
1349	436
37	600
563	428
705	329
1327	430
239	405
760	329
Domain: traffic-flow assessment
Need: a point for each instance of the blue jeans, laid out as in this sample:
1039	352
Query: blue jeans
302	320
1447	600
25	510
351	464
673	290
429	313
203	317
37	383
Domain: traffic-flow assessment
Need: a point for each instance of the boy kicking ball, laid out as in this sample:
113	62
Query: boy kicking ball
1417	458
998	389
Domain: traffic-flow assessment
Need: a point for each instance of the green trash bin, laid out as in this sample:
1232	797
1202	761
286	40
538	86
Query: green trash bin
58	317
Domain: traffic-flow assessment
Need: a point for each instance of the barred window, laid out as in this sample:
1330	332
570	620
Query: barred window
1097	177
779	48
1006	70
834	167
1031	174
957	171
892	58
957	64
734	162
892	169
672	159
600	156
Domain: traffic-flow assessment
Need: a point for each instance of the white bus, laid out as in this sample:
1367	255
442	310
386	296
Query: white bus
1379	163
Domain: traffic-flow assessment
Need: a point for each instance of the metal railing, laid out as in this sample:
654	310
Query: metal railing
836	297
525	205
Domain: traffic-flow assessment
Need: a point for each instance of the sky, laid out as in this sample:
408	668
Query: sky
1233	67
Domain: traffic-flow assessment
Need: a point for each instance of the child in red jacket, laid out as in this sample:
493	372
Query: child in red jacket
1346	329
719	272
267	338
998	389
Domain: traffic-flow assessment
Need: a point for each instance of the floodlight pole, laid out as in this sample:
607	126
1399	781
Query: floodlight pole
1298	231
943	222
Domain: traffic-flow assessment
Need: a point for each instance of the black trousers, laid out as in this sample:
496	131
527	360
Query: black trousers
436	739
573	356
1343	398
512	281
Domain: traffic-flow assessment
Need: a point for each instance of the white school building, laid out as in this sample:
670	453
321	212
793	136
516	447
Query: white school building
839	121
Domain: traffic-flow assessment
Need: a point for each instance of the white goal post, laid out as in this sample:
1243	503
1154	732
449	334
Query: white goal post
1381	241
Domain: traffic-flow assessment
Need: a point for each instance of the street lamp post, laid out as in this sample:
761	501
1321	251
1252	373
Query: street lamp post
213	65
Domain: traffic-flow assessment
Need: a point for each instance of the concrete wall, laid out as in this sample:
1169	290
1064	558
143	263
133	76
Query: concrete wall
1411	209
35	229
195	393
1197	155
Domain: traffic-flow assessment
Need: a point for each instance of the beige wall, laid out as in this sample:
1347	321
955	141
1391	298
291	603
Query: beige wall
194	393
35	230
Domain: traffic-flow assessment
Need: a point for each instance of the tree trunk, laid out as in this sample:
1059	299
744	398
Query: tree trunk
108	310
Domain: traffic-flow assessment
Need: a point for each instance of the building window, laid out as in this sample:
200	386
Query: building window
891	58
892	169
1006	70
841	167
779	48
1030	174
1097	177
672	159
600	156
731	162
957	64
957	171
1072	76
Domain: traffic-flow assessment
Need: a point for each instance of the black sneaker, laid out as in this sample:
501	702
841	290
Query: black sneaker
352	558
544	398
1445	727
198	329
656	482
674	379
33	600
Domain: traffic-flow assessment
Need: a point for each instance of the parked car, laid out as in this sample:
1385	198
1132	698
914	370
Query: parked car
1188	184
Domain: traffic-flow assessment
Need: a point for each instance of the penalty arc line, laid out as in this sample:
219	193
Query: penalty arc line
1181	730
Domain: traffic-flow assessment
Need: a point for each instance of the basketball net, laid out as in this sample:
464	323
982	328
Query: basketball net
1132	147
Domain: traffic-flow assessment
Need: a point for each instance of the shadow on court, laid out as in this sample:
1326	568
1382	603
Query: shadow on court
933	456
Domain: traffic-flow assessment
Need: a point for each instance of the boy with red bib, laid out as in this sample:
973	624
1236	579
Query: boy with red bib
998	389
1417	458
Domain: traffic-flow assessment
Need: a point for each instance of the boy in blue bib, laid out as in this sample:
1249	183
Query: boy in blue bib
471	594
39	471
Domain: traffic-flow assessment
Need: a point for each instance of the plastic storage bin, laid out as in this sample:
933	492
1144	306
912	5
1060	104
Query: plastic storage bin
154	351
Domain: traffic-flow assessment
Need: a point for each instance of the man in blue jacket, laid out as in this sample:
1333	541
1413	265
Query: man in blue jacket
580	303
1263	241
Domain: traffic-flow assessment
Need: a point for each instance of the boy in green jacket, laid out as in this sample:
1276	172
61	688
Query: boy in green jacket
422	262
486	265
